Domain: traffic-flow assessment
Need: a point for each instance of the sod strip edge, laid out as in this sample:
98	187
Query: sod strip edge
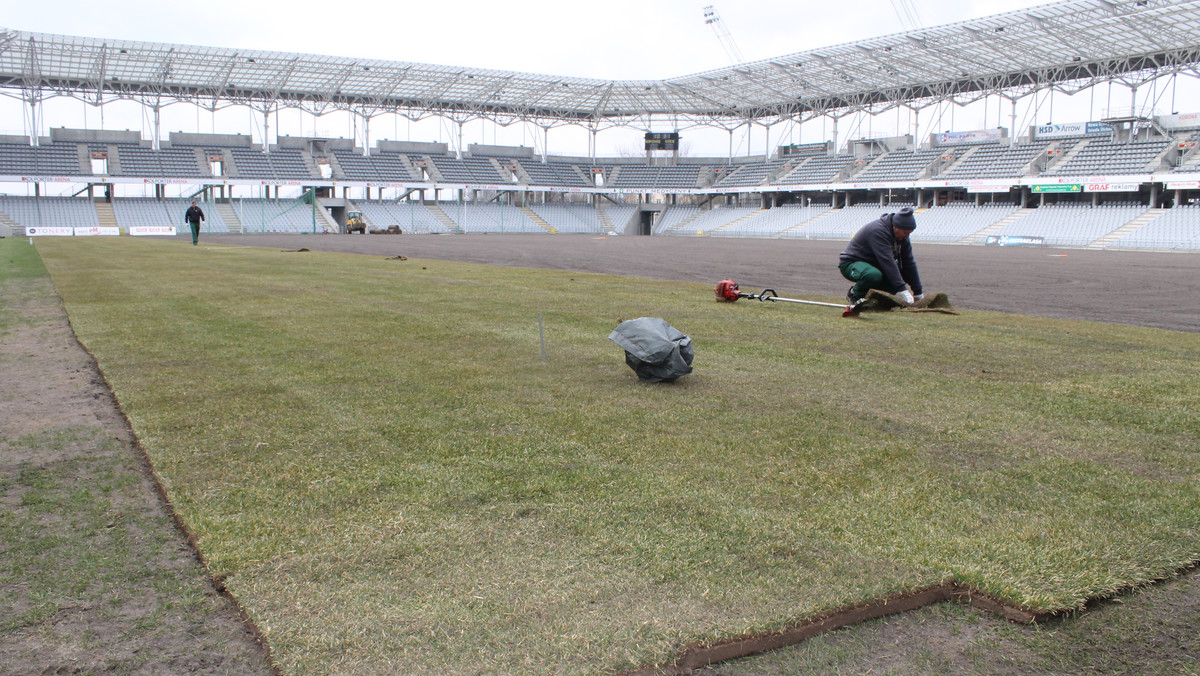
700	655
147	466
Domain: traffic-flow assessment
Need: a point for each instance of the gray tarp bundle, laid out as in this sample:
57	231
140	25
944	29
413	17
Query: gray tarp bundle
655	350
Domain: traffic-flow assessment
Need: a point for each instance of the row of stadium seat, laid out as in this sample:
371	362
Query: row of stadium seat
1058	225
1070	157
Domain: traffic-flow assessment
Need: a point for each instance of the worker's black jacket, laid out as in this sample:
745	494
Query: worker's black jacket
875	243
193	214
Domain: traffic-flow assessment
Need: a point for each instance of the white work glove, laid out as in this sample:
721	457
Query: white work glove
919	297
906	296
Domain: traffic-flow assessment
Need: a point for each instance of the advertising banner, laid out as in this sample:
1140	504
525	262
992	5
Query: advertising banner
142	230
961	138
988	188
1014	240
97	230
1058	187
1111	187
1177	121
1070	129
49	231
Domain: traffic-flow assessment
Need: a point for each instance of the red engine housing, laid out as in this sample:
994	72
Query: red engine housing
727	291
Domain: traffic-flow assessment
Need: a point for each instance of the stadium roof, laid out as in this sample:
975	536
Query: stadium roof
1064	45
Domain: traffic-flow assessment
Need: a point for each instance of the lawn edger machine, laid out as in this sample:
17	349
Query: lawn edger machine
879	301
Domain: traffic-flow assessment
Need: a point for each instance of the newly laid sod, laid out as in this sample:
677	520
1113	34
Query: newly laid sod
378	463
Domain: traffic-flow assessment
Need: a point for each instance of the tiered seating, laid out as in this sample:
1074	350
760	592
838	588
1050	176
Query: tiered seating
210	152
57	159
410	216
379	166
1178	228
147	211
996	161
467	170
673	216
843	223
268	215
900	165
1071	225
32	212
289	163
955	222
490	218
251	163
552	173
620	215
1192	163
570	217
1107	157
640	177
277	164
170	162
750	174
712	219
817	170
770	222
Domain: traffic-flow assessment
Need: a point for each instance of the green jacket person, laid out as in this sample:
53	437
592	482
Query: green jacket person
880	256
193	216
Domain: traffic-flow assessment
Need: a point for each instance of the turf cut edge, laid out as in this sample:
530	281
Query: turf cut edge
147	467
699	655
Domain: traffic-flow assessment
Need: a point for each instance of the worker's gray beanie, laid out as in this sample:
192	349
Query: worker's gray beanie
904	220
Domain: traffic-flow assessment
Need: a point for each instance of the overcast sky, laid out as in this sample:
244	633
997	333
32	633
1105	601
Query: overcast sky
611	39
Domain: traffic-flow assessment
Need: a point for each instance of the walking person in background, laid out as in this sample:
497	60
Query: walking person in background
193	216
880	256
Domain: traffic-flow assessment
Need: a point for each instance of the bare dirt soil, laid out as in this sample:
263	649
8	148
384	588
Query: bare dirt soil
135	599
94	575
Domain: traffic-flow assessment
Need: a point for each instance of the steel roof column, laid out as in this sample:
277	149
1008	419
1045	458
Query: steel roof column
366	136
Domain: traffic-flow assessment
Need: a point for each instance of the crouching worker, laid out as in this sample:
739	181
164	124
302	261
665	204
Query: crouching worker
880	256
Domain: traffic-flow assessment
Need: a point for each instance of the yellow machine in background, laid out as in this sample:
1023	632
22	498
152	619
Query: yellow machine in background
355	223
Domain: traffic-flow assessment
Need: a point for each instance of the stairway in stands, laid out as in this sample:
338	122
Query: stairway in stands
9	227
230	217
541	222
606	221
1129	227
735	222
444	219
105	217
996	227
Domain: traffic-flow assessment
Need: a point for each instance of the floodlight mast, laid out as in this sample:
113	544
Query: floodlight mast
731	49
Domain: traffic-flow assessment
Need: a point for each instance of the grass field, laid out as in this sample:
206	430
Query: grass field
378	464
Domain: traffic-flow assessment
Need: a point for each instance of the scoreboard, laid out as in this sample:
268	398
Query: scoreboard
662	140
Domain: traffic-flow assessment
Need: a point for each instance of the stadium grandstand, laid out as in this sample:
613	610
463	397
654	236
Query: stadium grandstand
1127	177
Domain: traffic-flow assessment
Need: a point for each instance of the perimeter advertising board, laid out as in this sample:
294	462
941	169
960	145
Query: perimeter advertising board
143	230
97	231
50	231
1014	240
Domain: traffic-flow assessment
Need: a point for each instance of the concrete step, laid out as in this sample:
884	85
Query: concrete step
1129	227
995	227
532	215
230	217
